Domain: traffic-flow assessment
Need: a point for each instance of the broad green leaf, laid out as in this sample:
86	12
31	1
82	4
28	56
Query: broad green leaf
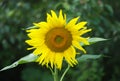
95	40
29	58
88	57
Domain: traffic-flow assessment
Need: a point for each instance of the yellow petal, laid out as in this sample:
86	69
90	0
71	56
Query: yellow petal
41	24
68	59
60	15
61	19
32	30
81	32
52	58
53	14
80	25
77	45
43	56
37	51
81	39
72	22
48	18
58	60
52	21
69	55
35	43
30	48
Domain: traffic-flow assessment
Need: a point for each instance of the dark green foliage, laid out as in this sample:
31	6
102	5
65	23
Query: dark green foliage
88	71
102	16
35	74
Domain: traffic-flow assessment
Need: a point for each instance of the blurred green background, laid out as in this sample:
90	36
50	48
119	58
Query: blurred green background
103	16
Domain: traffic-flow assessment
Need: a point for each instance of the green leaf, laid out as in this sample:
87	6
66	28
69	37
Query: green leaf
109	8
96	39
88	57
29	58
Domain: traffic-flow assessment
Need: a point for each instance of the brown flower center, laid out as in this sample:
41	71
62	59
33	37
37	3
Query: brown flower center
58	39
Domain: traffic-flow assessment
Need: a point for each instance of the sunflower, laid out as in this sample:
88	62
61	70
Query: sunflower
55	40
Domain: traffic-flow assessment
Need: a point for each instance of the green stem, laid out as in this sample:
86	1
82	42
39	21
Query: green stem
51	70
55	75
61	79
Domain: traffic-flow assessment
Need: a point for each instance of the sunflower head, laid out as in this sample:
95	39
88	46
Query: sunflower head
55	40
58	39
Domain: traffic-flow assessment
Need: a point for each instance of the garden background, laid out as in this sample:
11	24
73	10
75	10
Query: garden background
103	16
